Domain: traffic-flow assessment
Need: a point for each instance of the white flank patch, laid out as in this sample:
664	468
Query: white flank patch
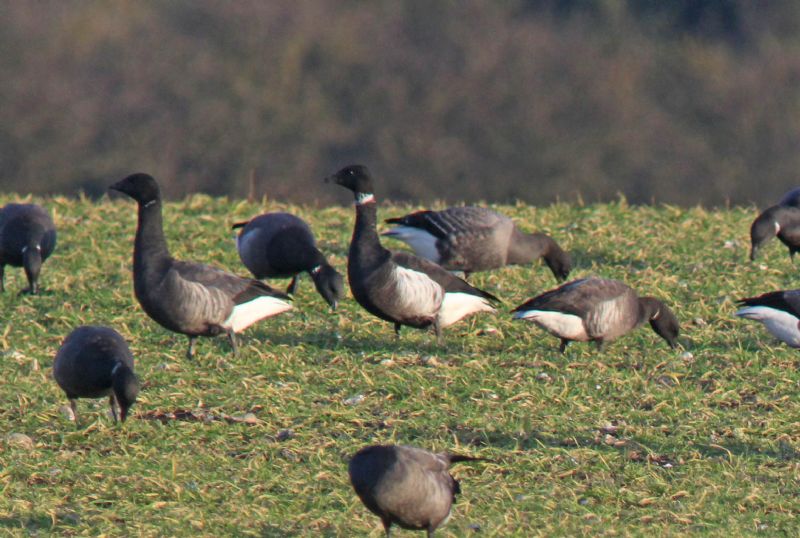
777	227
423	243
246	314
416	293
457	305
567	326
780	324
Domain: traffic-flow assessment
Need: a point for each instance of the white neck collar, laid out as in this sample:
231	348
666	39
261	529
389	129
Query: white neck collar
364	198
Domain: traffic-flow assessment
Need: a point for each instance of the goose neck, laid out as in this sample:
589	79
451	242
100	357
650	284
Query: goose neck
150	243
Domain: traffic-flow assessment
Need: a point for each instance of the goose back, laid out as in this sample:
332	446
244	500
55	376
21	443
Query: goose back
458	238
403	485
278	245
21	226
85	360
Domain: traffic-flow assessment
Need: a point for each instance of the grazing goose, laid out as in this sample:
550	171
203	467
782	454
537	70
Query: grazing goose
185	297
782	220
472	239
779	311
406	486
27	238
281	245
598	310
95	361
397	286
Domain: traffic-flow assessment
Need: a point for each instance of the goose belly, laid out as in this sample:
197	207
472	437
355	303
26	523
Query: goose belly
400	295
780	324
567	326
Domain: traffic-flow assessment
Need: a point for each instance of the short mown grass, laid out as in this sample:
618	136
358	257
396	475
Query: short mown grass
637	439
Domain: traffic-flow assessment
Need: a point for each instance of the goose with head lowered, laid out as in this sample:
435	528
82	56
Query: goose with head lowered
472	239
27	238
397	286
782	221
281	245
406	486
185	297
597	310
779	311
94	361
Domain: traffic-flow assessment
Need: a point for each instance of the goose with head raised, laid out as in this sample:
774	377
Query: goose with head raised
186	297
397	286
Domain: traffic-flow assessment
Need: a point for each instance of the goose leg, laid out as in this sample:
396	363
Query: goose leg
234	345
397	327
2	274
190	351
113	403
73	404
387	527
563	347
437	330
599	345
292	285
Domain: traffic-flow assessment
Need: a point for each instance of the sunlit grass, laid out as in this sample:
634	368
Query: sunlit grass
635	440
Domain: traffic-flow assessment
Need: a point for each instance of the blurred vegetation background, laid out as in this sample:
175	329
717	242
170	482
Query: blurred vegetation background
682	101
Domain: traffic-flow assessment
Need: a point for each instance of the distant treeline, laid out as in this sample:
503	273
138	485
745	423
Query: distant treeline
686	101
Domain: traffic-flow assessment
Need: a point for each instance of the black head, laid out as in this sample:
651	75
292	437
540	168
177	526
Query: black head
762	230
661	319
559	263
141	187
329	284
32	262
125	385
355	177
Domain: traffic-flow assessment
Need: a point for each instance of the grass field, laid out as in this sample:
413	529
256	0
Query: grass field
638	439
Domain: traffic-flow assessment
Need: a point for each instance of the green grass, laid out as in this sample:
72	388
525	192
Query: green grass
635	440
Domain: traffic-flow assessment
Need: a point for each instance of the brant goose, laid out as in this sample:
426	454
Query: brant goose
281	245
782	220
185	297
95	361
779	311
397	286
598	310
27	238
472	239
406	486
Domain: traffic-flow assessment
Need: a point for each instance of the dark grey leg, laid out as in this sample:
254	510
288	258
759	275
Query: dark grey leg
293	285
563	347
113	403
437	330
397	327
190	351
234	345
2	275
73	404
